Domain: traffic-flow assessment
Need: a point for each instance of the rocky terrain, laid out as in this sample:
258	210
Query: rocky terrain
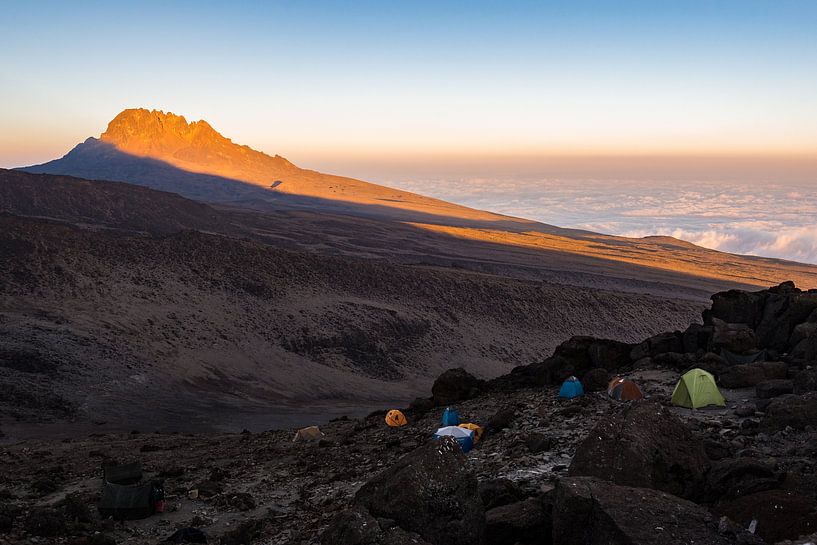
185	331
548	470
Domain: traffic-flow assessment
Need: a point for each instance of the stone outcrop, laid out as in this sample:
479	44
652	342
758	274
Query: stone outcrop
589	511
645	446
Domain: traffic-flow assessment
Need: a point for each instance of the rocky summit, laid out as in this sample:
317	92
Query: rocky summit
545	470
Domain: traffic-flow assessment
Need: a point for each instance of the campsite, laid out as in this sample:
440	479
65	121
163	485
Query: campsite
510	457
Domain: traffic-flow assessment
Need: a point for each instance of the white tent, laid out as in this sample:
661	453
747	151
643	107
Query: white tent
454	431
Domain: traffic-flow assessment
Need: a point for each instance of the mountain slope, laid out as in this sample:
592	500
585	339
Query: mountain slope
139	146
191	330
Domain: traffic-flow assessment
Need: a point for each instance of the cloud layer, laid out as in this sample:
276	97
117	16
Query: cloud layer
772	220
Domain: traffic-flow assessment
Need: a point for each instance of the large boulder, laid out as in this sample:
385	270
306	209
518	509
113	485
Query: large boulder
523	522
803	331
791	410
589	511
735	477
774	388
430	492
574	357
805	381
696	338
737	307
779	514
785	308
578	355
498	492
658	344
596	380
644	445
356	526
737	338
751	374
454	385
805	350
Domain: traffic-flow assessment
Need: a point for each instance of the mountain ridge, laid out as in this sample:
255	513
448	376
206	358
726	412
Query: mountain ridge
143	137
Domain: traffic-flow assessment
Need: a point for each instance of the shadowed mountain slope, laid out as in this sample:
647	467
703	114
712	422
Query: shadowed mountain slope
139	146
191	330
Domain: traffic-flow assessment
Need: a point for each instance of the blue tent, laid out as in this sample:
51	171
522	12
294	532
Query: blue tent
571	388
451	417
463	436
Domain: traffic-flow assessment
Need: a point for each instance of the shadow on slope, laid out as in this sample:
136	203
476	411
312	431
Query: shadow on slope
98	160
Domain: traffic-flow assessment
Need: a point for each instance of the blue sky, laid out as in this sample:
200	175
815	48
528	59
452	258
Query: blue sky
693	118
328	82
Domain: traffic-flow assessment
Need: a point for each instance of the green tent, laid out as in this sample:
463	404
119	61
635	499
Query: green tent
697	389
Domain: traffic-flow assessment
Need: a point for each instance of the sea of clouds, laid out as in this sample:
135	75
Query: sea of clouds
764	219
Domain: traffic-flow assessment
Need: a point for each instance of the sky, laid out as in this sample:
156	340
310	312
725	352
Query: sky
431	94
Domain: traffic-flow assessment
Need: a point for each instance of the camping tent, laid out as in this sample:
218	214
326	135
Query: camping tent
571	388
312	433
697	389
463	436
130	502
624	390
395	419
474	428
451	417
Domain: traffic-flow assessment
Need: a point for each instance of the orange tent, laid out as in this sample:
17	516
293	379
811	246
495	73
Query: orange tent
624	390
474	428
395	419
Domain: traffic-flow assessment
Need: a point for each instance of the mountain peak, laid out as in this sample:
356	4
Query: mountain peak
141	131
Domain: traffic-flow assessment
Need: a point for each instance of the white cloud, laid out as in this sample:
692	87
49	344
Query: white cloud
773	220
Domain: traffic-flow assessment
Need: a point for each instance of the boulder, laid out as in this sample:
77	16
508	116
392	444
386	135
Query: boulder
588	511
430	492
609	354
596	380
574	357
780	514
774	388
737	307
497	492
737	338
696	337
658	344
717	450
454	385
732	478
523	522
802	331
356	526
805	350
790	410
644	445
672	360
742	376
752	374
784	310
805	381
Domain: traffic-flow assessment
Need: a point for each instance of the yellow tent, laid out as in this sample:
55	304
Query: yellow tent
395	419
697	389
474	428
